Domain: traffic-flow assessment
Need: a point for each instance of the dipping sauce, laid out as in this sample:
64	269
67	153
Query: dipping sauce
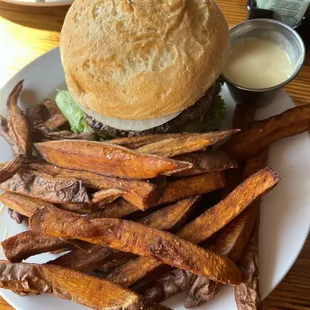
257	63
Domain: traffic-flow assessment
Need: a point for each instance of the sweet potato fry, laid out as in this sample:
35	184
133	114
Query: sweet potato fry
24	205
83	261
64	134
72	285
140	193
55	117
16	216
205	225
204	162
106	195
231	240
19	128
135	238
166	219
117	209
107	159
5	134
50	107
29	243
252	188
171	217
192	186
185	143
56	121
247	294
81	208
36	115
229	243
114	261
169	284
243	116
248	143
55	190
11	167
138	141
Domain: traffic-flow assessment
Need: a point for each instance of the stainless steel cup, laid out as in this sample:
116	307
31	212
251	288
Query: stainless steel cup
276	32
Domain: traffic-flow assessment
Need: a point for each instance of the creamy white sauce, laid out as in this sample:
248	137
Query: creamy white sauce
257	63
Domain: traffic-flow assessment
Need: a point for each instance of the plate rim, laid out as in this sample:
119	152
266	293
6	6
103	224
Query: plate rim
39	4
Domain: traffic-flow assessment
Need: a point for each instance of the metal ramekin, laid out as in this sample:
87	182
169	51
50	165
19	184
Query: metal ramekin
276	32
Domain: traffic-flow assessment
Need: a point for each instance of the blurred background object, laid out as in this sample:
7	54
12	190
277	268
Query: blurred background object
294	13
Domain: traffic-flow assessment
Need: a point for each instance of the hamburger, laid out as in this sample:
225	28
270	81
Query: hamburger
137	67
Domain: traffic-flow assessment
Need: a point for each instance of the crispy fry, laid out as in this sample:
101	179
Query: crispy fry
247	294
82	245
243	116
25	205
114	262
252	188
166	219
248	143
54	122
171	217
19	128
50	107
205	225
83	261
64	134
106	195
230	243
138	239
117	209
56	118
36	115
138	141
4	133
169	284
16	216
107	159
11	167
60	251
29	243
232	239
81	208
55	190
140	193
72	285
192	186
204	162
185	143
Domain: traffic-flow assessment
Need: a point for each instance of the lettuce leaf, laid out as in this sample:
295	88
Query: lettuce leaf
73	113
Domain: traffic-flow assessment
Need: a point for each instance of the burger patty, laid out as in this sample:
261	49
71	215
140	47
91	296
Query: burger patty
196	112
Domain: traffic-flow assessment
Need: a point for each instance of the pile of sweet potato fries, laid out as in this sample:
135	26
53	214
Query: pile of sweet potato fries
151	216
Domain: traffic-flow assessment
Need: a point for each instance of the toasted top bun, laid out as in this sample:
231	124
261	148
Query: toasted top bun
142	59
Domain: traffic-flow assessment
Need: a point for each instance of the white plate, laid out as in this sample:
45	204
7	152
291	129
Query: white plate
40	2
285	215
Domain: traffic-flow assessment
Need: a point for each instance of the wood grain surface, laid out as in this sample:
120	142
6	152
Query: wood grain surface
28	32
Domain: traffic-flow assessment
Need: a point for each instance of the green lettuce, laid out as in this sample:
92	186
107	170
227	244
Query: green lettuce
73	113
215	116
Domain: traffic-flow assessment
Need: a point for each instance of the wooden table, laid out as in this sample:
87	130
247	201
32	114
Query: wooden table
28	32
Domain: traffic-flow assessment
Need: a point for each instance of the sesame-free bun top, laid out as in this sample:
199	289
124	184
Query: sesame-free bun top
142	59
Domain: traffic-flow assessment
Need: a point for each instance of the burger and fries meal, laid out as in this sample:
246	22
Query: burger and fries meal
128	177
